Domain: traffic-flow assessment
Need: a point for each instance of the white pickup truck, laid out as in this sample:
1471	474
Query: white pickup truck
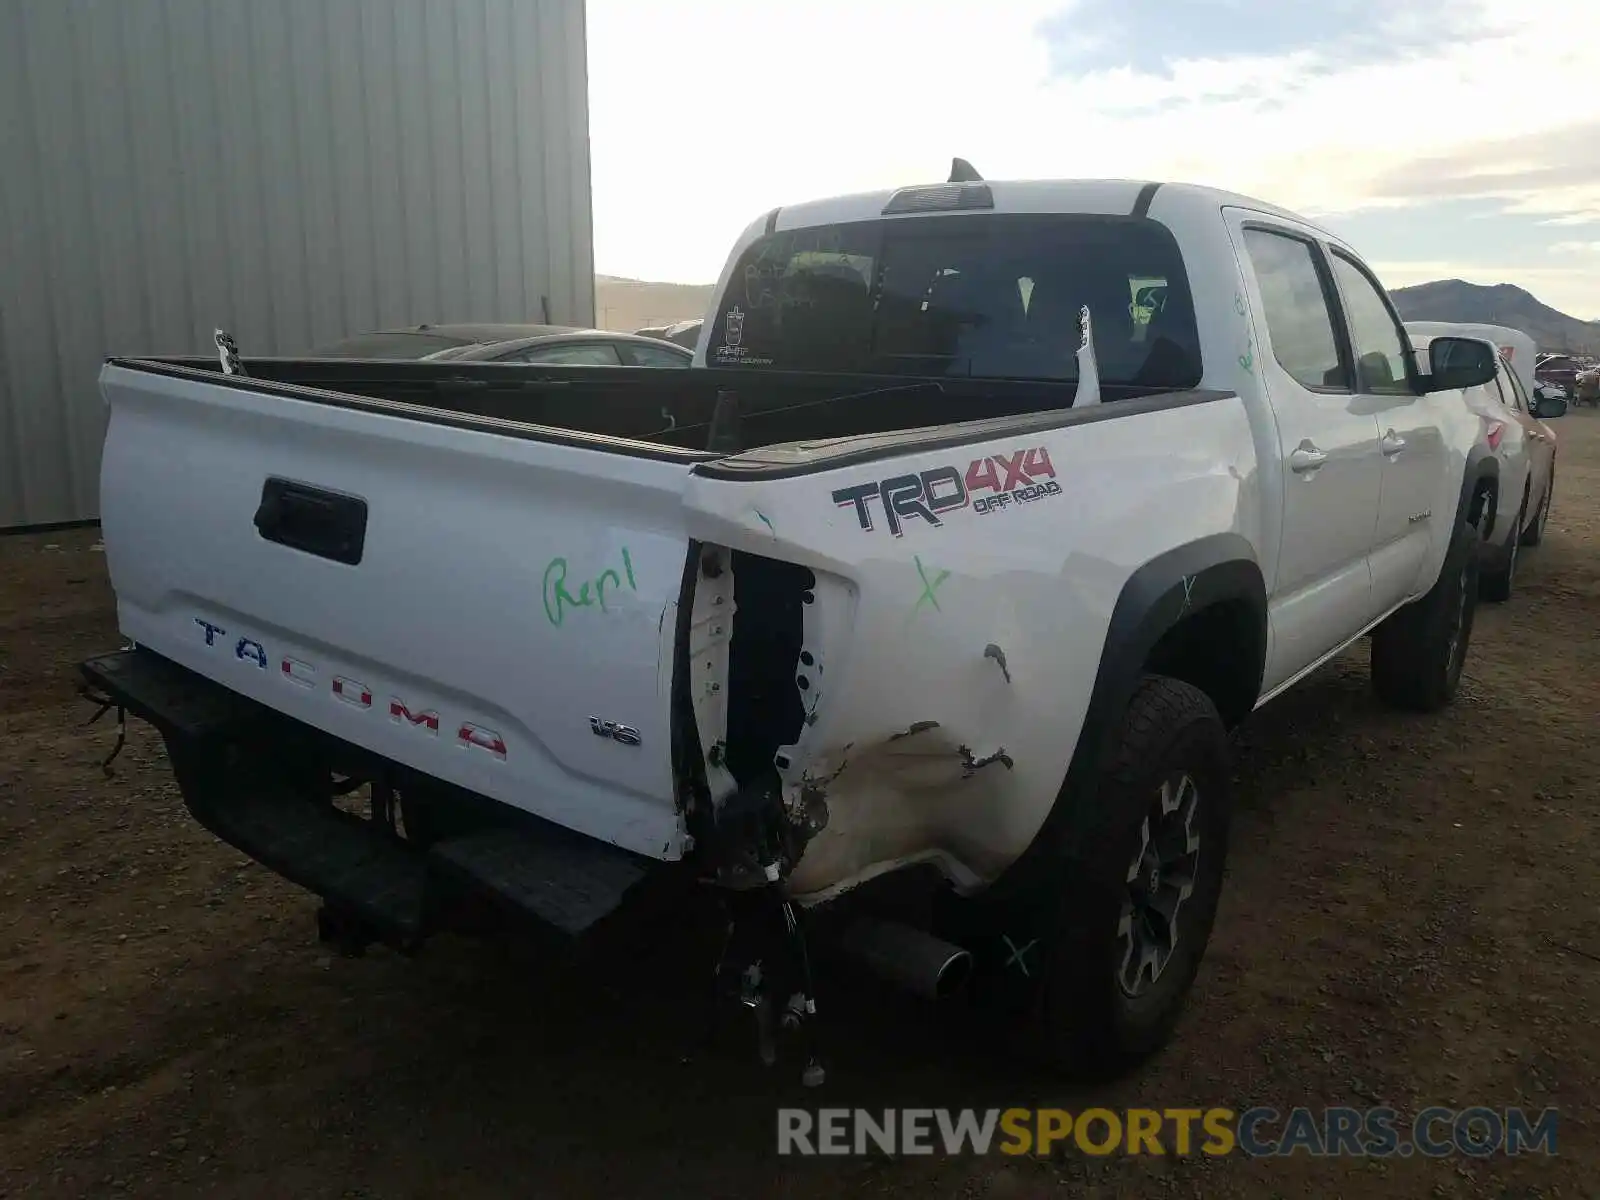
987	511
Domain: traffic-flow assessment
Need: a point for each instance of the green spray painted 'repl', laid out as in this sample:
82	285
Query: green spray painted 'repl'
558	597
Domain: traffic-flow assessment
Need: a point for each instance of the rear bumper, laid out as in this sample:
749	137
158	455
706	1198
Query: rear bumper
260	781
173	699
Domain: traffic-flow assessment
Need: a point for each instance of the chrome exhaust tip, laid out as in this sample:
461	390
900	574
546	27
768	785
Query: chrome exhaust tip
908	957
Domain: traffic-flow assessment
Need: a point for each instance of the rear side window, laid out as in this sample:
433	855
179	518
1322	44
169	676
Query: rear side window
1519	395
586	354
1299	321
399	345
1501	390
1380	346
654	356
969	294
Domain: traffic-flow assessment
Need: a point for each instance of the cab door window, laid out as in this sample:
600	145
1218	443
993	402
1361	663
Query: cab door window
1379	342
1300	319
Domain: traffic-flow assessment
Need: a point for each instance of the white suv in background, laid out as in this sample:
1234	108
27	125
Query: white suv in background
1525	448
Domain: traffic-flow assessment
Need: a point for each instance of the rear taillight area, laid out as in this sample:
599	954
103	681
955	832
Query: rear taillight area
752	665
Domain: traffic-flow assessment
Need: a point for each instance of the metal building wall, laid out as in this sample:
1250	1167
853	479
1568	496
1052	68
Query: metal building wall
291	170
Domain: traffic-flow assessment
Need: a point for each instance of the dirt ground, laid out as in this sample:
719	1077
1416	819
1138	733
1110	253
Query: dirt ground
1412	916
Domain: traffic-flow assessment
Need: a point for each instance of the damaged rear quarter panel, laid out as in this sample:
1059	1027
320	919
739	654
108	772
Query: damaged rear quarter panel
962	635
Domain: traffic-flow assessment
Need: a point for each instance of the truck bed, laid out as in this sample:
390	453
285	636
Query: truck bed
540	586
649	407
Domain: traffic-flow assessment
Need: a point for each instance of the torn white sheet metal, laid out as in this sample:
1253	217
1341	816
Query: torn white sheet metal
825	621
928	787
886	798
962	598
710	632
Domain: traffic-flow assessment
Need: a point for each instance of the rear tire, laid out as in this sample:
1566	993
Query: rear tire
1500	580
1534	534
1418	653
1104	974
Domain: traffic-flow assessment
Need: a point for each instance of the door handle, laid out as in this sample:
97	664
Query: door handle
1306	458
1392	443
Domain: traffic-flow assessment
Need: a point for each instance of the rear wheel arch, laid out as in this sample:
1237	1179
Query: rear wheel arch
1219	649
1169	618
1197	613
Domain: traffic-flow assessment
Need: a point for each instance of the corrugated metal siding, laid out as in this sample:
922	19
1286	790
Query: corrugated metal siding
292	170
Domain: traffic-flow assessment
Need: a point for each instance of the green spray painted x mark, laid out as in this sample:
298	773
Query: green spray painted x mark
929	585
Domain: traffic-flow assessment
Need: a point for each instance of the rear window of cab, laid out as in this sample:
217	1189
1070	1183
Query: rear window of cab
965	294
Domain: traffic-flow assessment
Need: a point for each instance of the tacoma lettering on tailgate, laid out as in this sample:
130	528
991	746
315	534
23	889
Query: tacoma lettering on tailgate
351	692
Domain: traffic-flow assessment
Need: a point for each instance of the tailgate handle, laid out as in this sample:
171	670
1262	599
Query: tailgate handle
313	520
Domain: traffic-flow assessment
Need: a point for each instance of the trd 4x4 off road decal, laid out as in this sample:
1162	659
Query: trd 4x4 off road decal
987	485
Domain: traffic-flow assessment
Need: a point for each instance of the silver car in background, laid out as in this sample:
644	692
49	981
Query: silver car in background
554	345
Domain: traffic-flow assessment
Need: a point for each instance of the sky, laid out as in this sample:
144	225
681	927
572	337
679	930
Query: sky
1457	140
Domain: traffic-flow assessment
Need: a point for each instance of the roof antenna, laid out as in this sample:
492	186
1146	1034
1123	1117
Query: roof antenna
961	171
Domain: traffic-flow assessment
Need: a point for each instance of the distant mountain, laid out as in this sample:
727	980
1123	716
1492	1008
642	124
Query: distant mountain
1500	304
629	304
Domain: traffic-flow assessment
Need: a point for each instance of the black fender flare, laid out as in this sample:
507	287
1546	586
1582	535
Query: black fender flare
1167	589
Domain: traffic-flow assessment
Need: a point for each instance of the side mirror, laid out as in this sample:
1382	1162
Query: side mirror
1455	363
1549	406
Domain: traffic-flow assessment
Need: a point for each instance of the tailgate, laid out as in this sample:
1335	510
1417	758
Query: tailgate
493	610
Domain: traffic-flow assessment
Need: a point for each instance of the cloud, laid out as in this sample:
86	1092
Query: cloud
705	115
1476	240
1150	36
1257	85
1540	164
1545	177
1408	123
